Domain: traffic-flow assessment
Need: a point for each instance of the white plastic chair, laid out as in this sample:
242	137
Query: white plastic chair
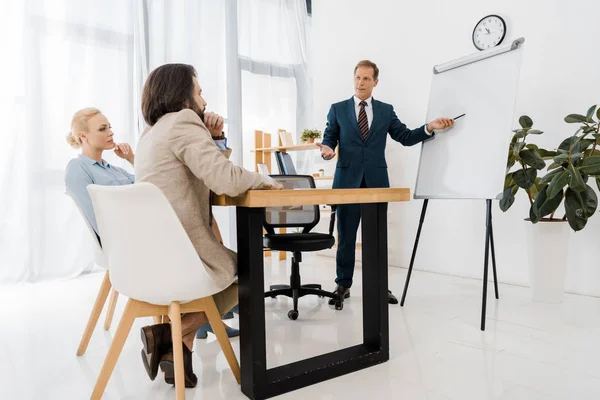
105	288
153	262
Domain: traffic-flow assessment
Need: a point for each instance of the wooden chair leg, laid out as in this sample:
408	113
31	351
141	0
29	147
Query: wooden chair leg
115	349
110	311
95	315
219	329
157	319
176	335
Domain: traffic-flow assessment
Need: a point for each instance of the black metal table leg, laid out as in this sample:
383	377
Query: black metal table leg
258	382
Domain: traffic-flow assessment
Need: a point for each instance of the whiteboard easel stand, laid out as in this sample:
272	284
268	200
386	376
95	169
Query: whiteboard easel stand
489	232
489	244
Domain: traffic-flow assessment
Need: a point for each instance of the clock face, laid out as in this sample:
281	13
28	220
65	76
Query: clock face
489	32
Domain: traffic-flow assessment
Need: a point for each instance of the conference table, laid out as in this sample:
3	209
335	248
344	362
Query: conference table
258	382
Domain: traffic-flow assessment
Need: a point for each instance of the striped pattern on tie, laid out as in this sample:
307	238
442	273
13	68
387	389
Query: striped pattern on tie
363	123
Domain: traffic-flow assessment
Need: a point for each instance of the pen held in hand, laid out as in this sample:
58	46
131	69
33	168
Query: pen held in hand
461	115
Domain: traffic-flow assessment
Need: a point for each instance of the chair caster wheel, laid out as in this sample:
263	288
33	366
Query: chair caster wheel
293	315
339	305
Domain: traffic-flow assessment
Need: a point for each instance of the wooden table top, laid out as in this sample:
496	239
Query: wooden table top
300	197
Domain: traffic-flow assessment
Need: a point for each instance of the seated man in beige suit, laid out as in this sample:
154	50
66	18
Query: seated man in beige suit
178	154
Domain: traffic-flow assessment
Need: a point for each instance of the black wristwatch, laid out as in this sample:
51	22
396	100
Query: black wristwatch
221	137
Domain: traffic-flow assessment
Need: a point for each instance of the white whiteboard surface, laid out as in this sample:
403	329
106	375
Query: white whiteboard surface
468	161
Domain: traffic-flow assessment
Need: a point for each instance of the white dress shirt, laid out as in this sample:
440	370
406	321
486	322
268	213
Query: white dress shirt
369	111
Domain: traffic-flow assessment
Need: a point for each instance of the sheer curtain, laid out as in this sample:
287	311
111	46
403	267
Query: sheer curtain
274	59
58	56
63	55
252	63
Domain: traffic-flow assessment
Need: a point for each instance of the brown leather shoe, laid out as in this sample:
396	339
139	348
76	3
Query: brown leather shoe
157	341
342	292
167	365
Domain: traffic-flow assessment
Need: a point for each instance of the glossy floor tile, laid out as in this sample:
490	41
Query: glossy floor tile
529	351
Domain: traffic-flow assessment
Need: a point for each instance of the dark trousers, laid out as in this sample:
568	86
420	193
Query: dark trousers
348	219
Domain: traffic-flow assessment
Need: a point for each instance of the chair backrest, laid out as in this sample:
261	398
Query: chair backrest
99	257
285	163
306	217
151	256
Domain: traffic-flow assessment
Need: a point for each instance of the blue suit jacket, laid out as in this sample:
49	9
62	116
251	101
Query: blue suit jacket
358	158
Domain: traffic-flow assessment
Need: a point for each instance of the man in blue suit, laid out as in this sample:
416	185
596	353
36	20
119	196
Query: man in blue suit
359	126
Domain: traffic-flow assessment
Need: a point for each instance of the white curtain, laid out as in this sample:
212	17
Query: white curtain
57	57
274	58
62	55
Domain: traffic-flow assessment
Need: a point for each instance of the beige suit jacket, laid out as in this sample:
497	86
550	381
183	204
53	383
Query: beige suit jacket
179	156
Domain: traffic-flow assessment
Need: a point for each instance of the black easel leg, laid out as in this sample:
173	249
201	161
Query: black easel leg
486	261
493	256
414	252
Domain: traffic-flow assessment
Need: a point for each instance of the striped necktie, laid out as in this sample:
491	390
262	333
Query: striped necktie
363	123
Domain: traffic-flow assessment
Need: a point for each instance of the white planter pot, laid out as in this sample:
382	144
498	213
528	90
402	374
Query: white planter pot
548	260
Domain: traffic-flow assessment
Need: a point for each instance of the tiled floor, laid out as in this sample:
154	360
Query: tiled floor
529	351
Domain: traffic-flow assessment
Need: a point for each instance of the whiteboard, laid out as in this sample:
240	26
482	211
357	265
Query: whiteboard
468	161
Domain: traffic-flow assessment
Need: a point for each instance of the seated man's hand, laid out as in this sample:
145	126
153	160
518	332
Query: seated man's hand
326	152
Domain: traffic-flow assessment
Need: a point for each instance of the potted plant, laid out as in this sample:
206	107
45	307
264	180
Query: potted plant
575	161
309	135
321	173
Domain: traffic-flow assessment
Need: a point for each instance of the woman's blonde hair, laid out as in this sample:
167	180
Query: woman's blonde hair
80	123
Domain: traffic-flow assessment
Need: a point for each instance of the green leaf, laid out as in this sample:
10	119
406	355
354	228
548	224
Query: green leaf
575	118
588	129
576	183
525	178
590	165
520	134
579	206
598	183
571	144
525	122
590	201
544	205
511	160
576	157
559	181
546	154
534	132
508	180
532	146
561	158
518	147
532	214
553	166
598	113
532	158
534	189
585	143
589	152
590	113
550	175
507	199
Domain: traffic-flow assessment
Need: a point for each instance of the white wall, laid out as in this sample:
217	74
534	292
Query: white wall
560	75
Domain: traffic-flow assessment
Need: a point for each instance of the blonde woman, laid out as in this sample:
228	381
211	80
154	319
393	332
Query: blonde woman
91	132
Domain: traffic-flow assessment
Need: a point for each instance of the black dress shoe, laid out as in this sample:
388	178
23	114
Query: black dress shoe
167	365
157	341
342	292
391	298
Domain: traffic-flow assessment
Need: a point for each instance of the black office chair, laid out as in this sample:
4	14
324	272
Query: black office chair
305	217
